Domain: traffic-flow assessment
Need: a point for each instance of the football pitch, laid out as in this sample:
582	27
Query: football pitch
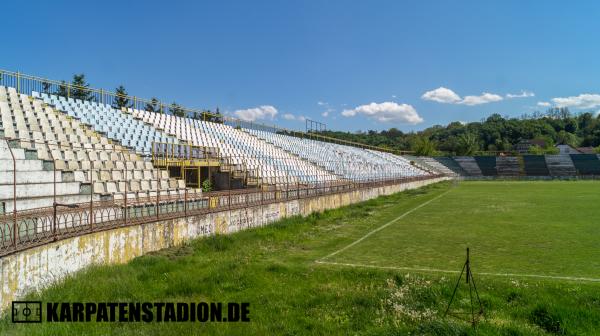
382	267
528	229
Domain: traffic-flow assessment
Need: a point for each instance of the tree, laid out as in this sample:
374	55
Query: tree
80	88
536	150
153	106
62	90
176	110
121	98
423	146
567	138
46	87
207	115
468	144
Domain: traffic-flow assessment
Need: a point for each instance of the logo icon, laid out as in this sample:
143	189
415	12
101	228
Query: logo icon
27	312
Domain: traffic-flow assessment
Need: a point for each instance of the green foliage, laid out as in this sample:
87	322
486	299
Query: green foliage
536	150
496	133
46	87
62	90
423	146
153	106
80	88
121	99
468	144
207	115
177	110
207	186
551	323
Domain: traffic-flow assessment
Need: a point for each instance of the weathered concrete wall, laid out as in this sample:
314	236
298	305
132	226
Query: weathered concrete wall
35	268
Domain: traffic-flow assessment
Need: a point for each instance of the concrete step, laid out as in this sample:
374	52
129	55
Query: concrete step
19	153
22	165
40	190
41	176
6	206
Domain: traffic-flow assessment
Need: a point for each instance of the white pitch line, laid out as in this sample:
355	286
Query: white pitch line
383	226
433	270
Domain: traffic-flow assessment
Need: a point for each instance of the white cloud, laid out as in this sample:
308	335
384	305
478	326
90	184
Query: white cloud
543	104
447	96
322	103
583	101
257	113
387	111
442	95
523	94
289	116
326	113
484	98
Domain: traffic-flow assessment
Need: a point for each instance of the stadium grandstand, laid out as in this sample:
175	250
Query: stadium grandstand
586	166
72	165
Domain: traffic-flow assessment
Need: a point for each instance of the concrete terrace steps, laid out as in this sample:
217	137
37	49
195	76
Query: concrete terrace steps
560	165
436	165
508	166
35	184
6	206
469	165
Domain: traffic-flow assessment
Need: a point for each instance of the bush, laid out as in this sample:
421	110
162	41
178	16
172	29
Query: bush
551	323
207	186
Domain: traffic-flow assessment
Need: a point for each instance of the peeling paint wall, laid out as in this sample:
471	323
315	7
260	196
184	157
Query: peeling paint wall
38	267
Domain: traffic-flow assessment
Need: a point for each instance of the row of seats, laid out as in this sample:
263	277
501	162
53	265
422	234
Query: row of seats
73	146
115	124
346	161
261	159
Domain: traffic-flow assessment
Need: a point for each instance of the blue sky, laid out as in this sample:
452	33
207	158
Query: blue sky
369	65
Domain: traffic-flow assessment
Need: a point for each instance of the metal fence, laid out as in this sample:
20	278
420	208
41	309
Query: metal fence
22	229
25	84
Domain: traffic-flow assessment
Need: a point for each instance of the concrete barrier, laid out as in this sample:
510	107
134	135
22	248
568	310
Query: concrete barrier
38	267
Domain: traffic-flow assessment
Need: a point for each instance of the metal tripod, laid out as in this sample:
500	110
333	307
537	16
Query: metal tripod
472	288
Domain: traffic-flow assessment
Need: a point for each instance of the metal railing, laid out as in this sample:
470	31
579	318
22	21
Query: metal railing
29	228
26	84
105	209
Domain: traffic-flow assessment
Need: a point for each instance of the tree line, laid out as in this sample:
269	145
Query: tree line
493	134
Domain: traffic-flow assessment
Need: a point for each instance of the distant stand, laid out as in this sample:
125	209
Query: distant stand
474	315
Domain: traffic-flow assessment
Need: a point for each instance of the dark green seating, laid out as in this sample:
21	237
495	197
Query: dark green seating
487	164
535	165
586	164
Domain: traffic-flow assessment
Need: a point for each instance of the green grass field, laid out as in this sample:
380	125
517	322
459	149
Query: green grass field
529	228
382	267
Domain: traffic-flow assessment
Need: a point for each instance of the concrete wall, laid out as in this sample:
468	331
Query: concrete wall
38	267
